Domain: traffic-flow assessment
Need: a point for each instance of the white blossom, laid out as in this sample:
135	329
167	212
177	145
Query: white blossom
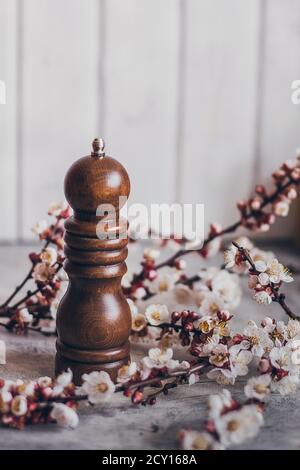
126	372
164	281
192	379
19	405
195	440
28	389
65	378
56	208
158	358
64	415
139	293
239	360
236	427
226	286
98	386
184	295
138	322
285	386
204	349
5	399
293	346
273	271
44	382
205	324
258	387
280	358
157	314
42	272
222	376
49	255
262	297
257	339
40	227
219	355
293	328
25	316
151	254
206	275
281	208
211	305
217	403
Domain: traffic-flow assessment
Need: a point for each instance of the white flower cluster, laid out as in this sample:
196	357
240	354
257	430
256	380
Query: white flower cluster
34	401
265	274
228	424
218	290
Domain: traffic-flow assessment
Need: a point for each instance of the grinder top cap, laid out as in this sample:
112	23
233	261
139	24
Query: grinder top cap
96	179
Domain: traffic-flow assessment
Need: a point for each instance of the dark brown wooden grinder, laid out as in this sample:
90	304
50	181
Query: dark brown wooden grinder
93	319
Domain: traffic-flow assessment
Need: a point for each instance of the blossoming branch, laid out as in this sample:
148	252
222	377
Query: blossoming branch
256	214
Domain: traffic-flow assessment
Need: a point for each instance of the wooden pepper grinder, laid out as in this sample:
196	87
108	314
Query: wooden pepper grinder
93	318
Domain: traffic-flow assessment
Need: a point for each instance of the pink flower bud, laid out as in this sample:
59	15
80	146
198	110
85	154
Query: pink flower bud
194	316
279	175
264	365
281	373
139	293
296	174
237	339
152	274
281	207
215	229
175	317
46	392
188	326
137	397
241	205
185	314
224	315
263	227
291	193
267	321
260	189
255	203
180	264
289	165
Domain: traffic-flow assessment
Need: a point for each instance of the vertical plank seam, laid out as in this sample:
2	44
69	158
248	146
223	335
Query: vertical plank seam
180	108
19	118
101	51
261	46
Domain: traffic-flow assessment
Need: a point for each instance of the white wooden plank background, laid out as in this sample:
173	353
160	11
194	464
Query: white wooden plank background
219	104
8	121
60	106
141	75
280	118
193	96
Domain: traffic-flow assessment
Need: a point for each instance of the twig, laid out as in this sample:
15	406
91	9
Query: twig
137	278
277	296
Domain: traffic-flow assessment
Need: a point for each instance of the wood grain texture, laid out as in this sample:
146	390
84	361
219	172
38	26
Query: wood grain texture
60	73
219	90
93	318
119	425
8	121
